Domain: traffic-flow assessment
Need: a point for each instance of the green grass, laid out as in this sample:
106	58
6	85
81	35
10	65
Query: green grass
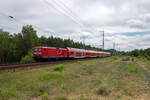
79	62
6	93
96	81
50	76
105	78
59	67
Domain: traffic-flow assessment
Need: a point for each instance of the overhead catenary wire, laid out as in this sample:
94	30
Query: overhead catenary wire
6	26
74	15
69	11
22	23
3	26
35	26
64	10
60	11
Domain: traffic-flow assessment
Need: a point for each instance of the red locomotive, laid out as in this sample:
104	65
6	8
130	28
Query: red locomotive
43	52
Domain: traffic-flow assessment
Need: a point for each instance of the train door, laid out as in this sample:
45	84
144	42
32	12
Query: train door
59	52
45	51
74	54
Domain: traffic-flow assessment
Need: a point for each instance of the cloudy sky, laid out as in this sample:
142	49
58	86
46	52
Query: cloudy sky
125	22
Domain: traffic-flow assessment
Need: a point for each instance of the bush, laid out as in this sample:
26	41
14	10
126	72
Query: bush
28	58
58	67
103	91
148	57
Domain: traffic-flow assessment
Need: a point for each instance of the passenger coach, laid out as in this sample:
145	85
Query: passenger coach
43	52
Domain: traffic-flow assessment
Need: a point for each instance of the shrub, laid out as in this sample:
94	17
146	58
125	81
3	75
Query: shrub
148	57
28	58
141	57
58	67
103	91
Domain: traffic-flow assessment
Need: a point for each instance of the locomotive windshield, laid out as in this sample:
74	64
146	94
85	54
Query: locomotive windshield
37	49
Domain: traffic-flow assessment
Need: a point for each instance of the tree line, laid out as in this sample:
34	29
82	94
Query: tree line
13	48
141	53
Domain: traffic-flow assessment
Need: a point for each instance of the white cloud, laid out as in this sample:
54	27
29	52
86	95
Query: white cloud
115	17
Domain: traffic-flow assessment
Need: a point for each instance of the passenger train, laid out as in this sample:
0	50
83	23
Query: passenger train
44	52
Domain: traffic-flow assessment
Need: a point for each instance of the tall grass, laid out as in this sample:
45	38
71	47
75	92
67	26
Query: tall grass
58	67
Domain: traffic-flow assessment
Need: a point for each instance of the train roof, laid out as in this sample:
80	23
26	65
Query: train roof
106	52
48	47
76	49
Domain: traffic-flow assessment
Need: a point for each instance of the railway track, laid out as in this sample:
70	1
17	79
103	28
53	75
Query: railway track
15	67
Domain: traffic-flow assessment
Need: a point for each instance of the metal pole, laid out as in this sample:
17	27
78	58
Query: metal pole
103	40
84	43
114	53
83	37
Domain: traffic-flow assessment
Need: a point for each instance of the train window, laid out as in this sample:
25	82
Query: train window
44	49
35	49
39	49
